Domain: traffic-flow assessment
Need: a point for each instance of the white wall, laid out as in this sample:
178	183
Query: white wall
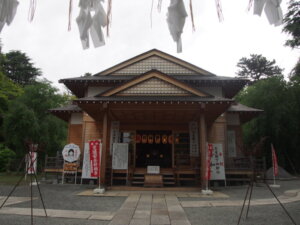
95	90
233	119
76	118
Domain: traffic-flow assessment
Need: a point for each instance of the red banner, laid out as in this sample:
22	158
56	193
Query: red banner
95	157
274	161
208	161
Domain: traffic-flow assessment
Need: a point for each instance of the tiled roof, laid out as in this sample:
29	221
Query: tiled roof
153	99
237	107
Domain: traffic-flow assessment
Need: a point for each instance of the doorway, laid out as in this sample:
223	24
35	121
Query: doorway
154	148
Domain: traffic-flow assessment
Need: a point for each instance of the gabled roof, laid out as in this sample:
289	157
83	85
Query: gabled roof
153	83
151	60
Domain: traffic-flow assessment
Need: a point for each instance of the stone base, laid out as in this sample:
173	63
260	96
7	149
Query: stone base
275	185
207	192
99	191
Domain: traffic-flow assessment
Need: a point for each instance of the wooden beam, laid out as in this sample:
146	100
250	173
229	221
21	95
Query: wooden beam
104	146
203	150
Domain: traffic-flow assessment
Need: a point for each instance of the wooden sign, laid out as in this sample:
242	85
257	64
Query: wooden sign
194	142
114	133
70	167
120	156
153	169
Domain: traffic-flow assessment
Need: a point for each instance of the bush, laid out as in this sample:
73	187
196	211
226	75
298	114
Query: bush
6	158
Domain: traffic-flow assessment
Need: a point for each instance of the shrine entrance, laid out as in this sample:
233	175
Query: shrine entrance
153	148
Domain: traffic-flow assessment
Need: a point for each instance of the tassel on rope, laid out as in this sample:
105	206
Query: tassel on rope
70	14
31	11
108	16
159	5
192	15
250	5
219	10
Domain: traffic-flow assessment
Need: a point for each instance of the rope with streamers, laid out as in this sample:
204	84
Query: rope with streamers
159	3
70	14
32	8
108	16
192	15
250	5
219	10
151	13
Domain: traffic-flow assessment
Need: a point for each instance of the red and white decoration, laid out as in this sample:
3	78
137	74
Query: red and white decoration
31	162
71	152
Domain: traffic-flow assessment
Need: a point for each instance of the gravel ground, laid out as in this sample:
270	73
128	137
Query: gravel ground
25	220
64	197
258	215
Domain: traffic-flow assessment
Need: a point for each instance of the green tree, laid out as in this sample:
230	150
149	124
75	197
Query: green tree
28	120
257	67
8	91
292	24
280	121
18	67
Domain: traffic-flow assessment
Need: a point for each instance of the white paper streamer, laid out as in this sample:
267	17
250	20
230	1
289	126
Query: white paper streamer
8	9
176	19
272	10
91	25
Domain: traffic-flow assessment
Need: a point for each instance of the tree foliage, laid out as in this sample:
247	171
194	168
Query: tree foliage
280	121
257	67
292	24
28	120
18	67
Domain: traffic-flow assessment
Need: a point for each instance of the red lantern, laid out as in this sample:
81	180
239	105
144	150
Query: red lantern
164	139
144	138
150	139
157	139
138	138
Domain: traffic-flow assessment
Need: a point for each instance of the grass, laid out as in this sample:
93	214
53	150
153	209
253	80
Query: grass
13	178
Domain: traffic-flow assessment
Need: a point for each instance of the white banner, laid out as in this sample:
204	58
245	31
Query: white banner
120	156
114	134
231	144
194	143
217	165
86	165
31	163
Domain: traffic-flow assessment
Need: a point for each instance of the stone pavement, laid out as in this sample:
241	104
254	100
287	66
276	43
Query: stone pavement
151	209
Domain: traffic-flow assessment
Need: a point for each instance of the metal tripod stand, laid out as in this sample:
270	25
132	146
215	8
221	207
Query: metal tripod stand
250	190
29	168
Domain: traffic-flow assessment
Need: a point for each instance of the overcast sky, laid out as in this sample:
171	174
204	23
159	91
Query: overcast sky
214	46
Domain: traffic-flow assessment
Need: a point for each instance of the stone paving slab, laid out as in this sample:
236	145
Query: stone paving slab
181	194
269	201
95	215
15	200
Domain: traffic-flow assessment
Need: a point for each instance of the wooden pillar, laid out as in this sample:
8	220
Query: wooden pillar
104	146
203	150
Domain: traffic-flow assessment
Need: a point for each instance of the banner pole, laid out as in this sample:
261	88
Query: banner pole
100	157
273	169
